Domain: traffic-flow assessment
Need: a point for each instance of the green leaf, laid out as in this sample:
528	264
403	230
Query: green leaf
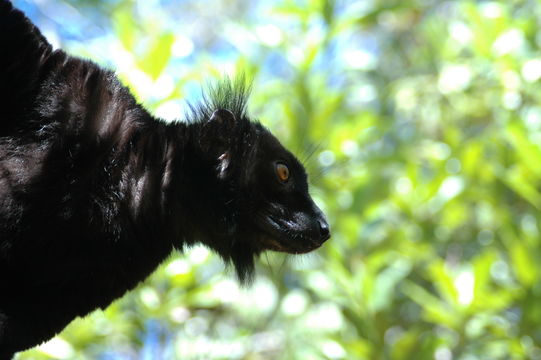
435	310
125	27
157	58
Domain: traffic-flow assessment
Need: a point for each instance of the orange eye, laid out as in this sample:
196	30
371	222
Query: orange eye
282	171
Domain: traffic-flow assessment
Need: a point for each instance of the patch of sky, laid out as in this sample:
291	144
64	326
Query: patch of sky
64	19
154	336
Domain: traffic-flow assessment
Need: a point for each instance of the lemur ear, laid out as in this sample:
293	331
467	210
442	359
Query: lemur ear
216	138
217	131
223	117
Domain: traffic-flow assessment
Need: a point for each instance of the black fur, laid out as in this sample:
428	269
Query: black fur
95	192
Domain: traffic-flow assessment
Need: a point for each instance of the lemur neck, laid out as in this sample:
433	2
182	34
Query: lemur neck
162	176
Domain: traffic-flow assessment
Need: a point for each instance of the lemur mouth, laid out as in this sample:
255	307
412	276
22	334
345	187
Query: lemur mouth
277	245
284	236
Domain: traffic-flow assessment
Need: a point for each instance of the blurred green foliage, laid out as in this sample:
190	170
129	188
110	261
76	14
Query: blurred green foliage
424	120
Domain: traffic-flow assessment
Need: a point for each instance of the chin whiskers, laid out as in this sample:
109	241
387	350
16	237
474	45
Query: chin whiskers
284	260
269	264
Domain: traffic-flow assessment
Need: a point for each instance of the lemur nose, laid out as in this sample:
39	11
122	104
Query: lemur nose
324	231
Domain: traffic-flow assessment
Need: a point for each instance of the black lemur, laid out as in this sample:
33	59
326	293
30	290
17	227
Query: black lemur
95	192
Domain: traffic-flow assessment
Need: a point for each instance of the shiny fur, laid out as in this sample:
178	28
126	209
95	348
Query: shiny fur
95	192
